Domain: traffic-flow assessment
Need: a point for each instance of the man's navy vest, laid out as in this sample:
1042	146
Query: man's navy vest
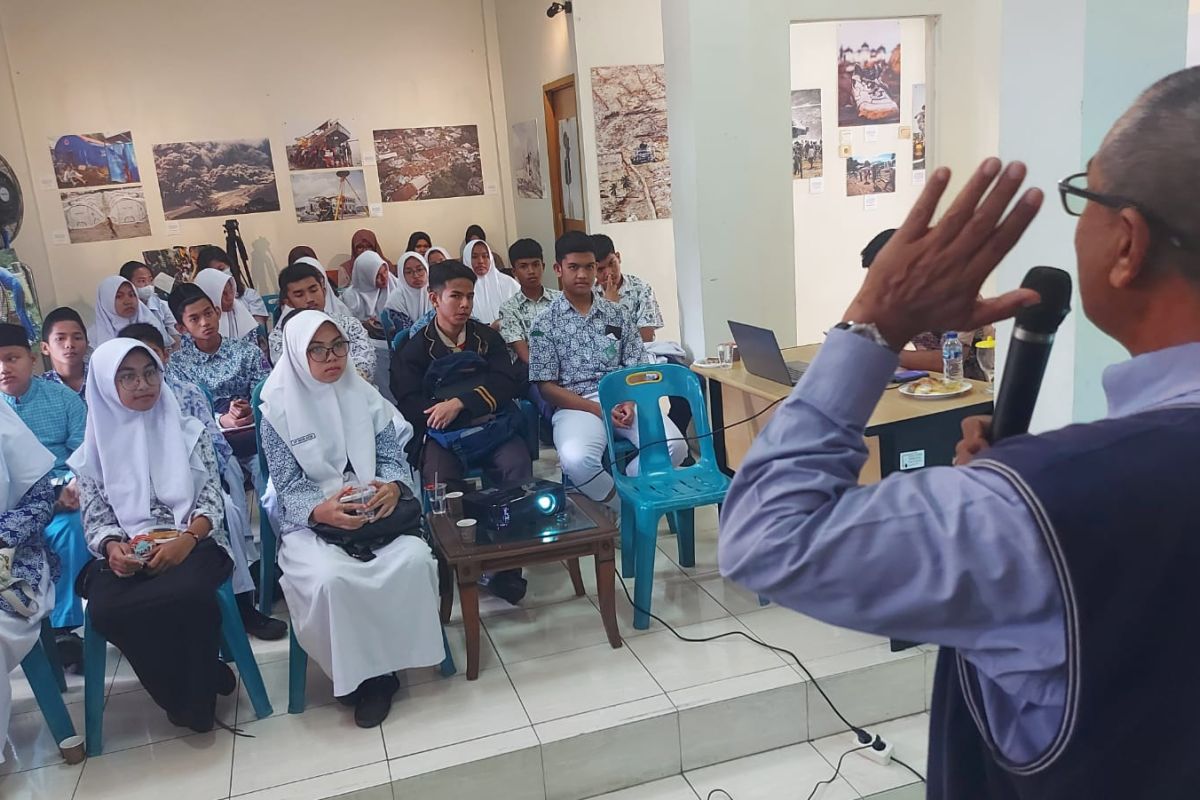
1118	502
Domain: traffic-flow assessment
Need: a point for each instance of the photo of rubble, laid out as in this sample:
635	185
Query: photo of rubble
173	261
102	215
329	196
330	145
428	163
632	151
94	159
213	179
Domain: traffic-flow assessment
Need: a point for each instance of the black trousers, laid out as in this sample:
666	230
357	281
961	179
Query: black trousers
168	626
509	463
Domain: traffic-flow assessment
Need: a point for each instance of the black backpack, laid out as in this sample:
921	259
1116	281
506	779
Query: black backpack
405	520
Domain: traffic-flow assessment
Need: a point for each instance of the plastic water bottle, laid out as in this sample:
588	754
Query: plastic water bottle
952	359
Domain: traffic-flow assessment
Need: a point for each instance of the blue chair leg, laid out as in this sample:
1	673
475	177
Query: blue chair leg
643	582
235	642
672	523
763	600
297	675
95	653
40	674
628	548
685	524
266	563
448	667
51	649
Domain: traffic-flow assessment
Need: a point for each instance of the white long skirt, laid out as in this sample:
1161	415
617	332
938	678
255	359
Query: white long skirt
17	636
359	619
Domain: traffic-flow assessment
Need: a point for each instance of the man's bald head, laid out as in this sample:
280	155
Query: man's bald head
1150	156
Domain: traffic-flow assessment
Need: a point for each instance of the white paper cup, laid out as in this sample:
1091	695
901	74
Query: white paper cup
466	530
454	503
72	749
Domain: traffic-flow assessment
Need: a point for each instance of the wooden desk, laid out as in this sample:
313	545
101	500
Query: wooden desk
924	431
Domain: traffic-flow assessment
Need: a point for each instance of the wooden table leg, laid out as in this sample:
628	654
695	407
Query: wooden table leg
605	577
576	576
468	598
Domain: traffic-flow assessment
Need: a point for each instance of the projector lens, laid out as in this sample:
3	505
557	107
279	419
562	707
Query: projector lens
547	504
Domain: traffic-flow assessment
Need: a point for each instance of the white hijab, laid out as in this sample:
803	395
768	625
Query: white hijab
108	324
407	300
236	323
334	306
445	253
362	298
138	456
325	425
492	289
23	459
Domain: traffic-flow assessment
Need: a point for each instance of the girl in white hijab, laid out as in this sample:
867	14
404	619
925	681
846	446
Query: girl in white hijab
371	284
492	287
324	431
26	506
117	305
236	320
411	297
436	255
143	468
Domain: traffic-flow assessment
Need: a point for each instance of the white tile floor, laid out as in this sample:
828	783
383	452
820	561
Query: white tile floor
551	695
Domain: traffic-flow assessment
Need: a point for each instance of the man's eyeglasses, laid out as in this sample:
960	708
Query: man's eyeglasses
1075	197
151	376
321	353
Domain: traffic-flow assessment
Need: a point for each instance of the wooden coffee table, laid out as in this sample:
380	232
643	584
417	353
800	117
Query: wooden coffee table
470	561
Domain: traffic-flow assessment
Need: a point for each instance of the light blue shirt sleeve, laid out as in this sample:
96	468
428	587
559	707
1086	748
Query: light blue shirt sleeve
950	556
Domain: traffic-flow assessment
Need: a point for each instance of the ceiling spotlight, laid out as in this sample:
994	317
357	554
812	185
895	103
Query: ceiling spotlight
555	8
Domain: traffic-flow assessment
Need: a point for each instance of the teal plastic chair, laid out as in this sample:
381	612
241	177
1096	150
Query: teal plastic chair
271	301
44	672
297	658
398	340
661	488
233	642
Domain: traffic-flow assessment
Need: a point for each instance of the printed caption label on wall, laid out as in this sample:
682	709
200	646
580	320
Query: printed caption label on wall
918	177
173	228
376	209
913	459
816	186
369	160
870	134
846	137
870	202
60	237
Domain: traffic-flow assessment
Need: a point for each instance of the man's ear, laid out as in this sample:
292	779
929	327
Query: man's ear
180	327
1133	243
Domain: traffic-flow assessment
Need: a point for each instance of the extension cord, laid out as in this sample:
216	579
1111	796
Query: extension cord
879	751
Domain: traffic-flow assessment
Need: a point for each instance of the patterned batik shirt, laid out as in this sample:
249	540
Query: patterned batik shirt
576	351
231	372
518	312
54	377
638	300
193	403
22	528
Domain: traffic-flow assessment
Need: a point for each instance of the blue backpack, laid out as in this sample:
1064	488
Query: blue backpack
473	441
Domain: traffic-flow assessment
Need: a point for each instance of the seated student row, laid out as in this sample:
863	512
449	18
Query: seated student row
452	295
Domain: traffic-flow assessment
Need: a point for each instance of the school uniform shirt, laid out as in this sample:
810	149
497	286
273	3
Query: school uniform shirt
54	377
254	302
232	371
193	403
576	351
638	300
57	417
518	312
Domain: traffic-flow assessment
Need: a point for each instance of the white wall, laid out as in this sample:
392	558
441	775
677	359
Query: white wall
608	33
233	69
534	51
831	228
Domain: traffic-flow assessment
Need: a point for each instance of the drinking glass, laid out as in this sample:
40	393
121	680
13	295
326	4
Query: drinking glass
725	354
436	494
985	353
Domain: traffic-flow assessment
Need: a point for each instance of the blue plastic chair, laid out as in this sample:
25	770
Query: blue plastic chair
44	672
661	488
297	658
233	641
271	301
398	340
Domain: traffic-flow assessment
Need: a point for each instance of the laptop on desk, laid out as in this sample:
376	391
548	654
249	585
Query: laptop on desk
761	354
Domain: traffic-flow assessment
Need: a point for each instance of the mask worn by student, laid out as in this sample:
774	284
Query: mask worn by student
144	293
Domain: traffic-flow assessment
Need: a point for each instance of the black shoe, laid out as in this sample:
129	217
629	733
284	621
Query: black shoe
226	680
258	624
375	700
256	572
70	651
181	721
509	586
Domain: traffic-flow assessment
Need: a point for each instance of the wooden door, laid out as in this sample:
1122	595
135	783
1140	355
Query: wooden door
562	140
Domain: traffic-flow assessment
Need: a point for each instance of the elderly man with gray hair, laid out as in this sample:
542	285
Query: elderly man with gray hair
1055	571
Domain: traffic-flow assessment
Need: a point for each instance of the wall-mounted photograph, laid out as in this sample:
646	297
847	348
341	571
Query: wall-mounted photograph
173	261
918	126
808	147
874	175
428	163
329	196
101	215
330	144
632	148
213	179
868	73
94	159
527	160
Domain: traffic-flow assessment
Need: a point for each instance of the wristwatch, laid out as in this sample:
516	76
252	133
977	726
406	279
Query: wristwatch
867	330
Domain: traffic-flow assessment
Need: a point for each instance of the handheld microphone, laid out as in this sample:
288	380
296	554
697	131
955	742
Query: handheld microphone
1029	350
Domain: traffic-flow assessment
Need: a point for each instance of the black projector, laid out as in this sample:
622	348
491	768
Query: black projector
501	508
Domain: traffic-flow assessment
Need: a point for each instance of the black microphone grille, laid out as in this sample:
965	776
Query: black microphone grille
1054	286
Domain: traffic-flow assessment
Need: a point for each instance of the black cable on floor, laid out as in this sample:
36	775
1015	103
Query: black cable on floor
920	777
836	771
